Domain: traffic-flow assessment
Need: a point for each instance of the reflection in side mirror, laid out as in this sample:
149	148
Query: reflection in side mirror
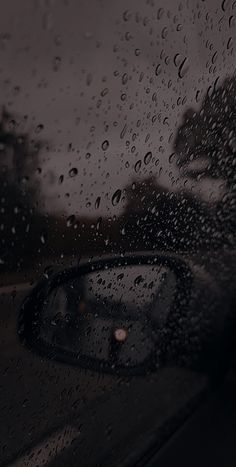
107	315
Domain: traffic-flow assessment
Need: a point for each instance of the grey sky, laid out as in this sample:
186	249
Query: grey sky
87	69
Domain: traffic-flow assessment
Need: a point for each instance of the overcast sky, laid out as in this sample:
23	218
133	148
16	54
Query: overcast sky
108	70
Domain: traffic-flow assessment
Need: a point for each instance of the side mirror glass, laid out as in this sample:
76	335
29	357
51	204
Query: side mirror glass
107	315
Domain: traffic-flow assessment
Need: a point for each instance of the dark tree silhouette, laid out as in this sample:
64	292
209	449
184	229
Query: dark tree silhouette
157	218
210	135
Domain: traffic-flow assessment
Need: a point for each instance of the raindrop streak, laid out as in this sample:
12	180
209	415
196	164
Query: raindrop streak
183	69
73	172
137	166
105	145
116	197
147	158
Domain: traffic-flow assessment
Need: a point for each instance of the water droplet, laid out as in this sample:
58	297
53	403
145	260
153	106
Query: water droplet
177	59
116	197
183	69
229	43
171	157
137	52
70	220
57	40
56	63
73	172
89	79
124	78
104	92
105	145
39	128
120	276
138	280
97	202
147	158
224	4
231	21
164	33
197	95
128	36
127	15
43	238
12	124
48	271
16	90
123	131
214	57
24	180
160	13
158	70
137	166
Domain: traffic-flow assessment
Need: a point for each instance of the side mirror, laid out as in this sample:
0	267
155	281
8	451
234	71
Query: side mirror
127	315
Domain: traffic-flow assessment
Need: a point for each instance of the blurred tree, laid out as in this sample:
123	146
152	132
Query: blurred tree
208	137
18	190
156	218
210	134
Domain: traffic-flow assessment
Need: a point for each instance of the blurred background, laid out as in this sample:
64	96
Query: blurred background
94	98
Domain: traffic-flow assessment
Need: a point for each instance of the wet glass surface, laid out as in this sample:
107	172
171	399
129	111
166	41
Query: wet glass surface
117	137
